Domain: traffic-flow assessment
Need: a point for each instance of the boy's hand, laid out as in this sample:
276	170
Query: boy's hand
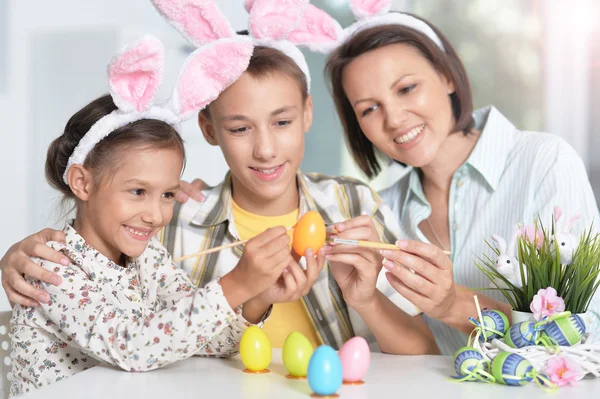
16	264
193	190
356	268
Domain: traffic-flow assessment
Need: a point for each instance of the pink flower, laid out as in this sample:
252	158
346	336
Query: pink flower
532	234
546	303
563	371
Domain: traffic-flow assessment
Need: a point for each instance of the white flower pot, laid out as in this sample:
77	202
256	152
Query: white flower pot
518	317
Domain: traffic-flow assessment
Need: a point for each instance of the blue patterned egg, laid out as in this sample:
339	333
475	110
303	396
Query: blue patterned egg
511	369
522	334
468	360
566	331
495	320
325	371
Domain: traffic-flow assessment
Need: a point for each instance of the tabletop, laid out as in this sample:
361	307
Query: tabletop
390	376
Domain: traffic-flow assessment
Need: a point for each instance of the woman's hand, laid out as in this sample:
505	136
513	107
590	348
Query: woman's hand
430	285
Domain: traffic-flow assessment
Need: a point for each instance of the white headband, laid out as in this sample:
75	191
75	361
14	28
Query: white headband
134	76
368	14
279	24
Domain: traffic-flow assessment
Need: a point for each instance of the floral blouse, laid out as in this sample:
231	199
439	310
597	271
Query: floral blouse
139	317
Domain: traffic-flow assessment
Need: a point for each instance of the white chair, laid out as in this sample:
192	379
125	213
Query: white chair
5	360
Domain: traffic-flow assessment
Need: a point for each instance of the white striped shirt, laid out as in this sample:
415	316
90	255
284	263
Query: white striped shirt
510	177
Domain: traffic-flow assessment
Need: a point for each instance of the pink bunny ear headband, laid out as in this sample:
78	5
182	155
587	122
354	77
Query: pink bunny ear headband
368	14
134	76
280	24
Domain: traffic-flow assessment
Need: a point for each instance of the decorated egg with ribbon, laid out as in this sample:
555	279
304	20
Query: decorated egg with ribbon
355	356
255	349
309	232
566	331
522	334
496	322
325	371
296	353
511	369
467	362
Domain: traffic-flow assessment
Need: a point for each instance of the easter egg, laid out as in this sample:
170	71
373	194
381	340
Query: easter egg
521	334
255	349
355	356
296	353
468	360
325	371
566	331
496	321
309	232
511	369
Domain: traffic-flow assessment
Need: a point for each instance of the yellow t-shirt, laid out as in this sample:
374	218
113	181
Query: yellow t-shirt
285	317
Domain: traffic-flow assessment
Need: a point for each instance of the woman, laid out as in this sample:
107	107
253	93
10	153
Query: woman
472	175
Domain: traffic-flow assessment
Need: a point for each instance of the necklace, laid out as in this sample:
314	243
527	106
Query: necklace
435	234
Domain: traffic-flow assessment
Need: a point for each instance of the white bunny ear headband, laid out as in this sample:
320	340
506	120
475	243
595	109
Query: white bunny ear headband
368	14
134	76
281	24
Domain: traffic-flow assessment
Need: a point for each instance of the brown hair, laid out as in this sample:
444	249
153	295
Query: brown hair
267	60
446	62
108	153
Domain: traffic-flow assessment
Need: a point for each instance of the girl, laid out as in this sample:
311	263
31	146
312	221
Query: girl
122	301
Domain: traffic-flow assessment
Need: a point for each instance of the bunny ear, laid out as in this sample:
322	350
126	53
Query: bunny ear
572	221
248	5
207	72
199	21
500	243
557	213
135	74
275	19
369	8
317	30
512	245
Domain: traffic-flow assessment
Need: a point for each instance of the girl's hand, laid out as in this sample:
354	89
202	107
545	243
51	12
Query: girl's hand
431	287
295	282
355	268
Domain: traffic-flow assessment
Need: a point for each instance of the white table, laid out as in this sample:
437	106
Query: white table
395	377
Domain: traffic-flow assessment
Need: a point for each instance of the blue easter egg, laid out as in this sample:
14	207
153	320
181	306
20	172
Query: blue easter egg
566	331
511	369
325	371
522	334
466	360
495	320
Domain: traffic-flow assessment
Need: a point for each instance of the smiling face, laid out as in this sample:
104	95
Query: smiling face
119	214
404	105
399	93
259	123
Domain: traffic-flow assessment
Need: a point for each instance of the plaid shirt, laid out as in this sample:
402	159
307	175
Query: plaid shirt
199	226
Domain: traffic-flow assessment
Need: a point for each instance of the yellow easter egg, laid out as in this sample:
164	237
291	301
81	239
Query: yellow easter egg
296	354
255	349
309	232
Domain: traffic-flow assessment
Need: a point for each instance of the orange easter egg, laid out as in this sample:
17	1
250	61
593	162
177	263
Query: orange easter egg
309	233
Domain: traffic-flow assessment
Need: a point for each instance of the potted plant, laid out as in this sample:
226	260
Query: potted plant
545	270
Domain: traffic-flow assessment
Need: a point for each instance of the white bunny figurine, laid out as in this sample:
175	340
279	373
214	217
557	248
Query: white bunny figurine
507	263
567	241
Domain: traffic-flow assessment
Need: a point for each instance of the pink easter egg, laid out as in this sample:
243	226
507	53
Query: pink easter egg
356	358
